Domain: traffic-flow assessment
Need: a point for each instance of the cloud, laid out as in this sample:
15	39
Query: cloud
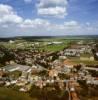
55	11
71	23
54	8
11	24
35	23
47	3
8	15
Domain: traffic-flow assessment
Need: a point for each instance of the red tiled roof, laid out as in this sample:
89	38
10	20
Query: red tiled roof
69	62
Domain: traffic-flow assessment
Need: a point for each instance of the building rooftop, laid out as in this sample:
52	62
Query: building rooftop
69	62
14	67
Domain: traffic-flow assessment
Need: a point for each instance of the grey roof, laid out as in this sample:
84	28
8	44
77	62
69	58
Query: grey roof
16	67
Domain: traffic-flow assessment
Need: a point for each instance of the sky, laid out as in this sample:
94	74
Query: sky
48	17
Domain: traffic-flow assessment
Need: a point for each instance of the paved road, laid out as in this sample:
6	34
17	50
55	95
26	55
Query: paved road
90	68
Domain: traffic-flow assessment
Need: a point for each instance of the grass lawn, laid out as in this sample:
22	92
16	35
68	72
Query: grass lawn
15	74
77	60
54	47
9	94
57	47
85	62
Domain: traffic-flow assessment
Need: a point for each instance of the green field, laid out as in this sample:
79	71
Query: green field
9	94
28	41
87	62
22	44
55	47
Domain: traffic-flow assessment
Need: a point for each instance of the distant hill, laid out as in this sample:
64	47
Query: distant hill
48	37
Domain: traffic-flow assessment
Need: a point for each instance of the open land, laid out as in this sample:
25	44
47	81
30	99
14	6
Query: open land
49	68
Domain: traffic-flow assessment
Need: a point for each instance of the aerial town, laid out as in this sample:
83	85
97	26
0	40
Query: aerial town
48	49
50	69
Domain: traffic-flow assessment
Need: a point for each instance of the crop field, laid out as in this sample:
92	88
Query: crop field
9	94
